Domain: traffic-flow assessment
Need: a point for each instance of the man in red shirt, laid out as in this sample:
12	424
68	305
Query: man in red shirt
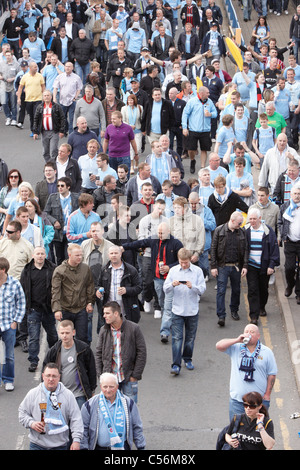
49	121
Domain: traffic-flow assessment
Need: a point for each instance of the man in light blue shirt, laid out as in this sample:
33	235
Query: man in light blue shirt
88	166
196	123
186	282
104	168
51	71
253	368
36	47
135	39
242	86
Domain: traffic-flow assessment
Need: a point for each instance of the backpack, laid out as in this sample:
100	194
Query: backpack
221	443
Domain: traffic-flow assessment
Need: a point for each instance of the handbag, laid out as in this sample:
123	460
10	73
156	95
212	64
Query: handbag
221	442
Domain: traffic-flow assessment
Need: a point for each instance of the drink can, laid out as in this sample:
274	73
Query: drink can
246	339
101	290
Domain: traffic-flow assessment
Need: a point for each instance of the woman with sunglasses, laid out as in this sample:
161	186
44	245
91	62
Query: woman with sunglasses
255	430
9	192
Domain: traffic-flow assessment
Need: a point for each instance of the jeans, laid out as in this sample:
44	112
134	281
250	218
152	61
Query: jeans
10	106
190	325
34	321
130	389
80	321
203	263
116	161
82	71
69	110
247	4
33	446
7	374
224	273
236	407
165	302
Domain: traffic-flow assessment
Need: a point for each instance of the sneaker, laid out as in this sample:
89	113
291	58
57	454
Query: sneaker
13	123
157	314
278	14
164	339
175	370
193	166
9	387
189	365
286	12
147	307
32	367
275	12
20	125
270	10
7	122
221	322
32	134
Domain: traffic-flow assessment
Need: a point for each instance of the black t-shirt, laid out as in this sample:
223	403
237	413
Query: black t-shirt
248	434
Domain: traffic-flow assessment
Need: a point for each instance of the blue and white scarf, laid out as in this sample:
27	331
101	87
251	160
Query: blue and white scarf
247	363
116	424
53	418
289	213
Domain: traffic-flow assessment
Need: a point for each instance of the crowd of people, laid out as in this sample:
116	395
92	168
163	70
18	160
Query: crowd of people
111	231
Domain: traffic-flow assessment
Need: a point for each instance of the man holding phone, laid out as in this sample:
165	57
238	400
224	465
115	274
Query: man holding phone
186	281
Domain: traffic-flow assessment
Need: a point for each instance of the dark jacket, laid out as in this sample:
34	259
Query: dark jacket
133	284
85	365
58	119
157	48
25	281
167	118
283	223
295	28
56	47
112	67
172	246
194	44
205	44
218	247
215	87
196	16
270	257
133	347
82	50
83	7
9	27
148	83
222	212
73	172
54	212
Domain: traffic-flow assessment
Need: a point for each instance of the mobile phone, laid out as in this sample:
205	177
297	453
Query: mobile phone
182	282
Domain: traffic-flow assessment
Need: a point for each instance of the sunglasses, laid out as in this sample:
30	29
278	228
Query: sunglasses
10	231
252	407
61	185
14	176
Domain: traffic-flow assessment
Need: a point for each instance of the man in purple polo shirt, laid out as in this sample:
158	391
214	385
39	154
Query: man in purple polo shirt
119	136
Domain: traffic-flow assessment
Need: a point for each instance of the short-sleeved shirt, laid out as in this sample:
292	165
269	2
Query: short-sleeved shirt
264	365
33	86
276	121
119	139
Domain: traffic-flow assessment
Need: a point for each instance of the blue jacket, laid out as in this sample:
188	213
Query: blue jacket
193	115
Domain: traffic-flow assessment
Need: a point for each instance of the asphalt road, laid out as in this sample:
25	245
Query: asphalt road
178	413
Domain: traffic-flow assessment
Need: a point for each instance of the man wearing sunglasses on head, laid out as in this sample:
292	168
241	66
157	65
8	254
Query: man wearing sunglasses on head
253	368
